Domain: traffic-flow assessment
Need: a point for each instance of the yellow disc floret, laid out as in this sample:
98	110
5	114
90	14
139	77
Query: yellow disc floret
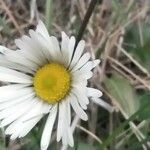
52	82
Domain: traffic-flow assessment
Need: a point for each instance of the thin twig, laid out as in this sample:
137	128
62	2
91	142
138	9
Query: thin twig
106	54
121	72
144	70
90	133
11	16
129	71
140	33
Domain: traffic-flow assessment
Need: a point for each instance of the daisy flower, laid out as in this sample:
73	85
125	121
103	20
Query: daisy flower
44	76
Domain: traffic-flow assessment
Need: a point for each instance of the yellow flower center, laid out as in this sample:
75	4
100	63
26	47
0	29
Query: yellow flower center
52	82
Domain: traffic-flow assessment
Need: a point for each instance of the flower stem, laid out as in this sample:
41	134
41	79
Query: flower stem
86	19
48	14
7	140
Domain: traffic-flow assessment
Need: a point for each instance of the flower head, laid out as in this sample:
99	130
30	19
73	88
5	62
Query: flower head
44	76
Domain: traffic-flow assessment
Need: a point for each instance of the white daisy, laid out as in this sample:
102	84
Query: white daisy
44	77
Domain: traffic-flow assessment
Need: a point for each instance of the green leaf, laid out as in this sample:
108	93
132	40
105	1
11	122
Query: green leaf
145	100
139	52
123	93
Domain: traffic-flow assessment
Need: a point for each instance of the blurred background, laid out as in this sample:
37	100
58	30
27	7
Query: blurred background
118	33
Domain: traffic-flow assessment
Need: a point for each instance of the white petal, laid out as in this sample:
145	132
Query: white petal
15	129
6	63
78	52
70	137
79	96
90	65
56	53
39	47
15	101
49	46
7	89
78	77
25	128
85	74
19	112
28	125
65	42
71	48
9	75
67	137
4	49
81	62
17	57
68	108
81	102
10	129
15	135
96	62
14	94
91	92
64	47
40	108
55	44
80	85
42	29
46	136
79	111
6	112
44	45
88	75
82	97
27	50
102	103
61	118
87	67
64	120
32	48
